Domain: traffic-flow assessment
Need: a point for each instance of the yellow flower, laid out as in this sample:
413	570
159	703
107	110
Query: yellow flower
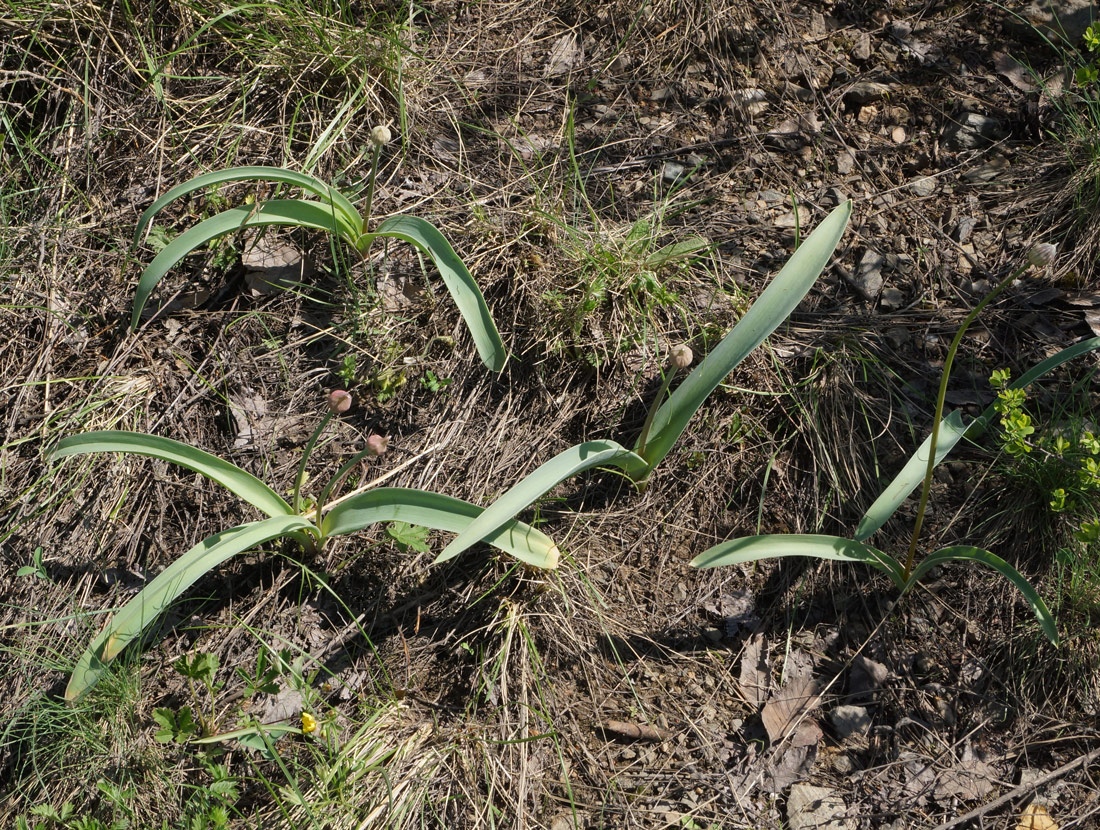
309	723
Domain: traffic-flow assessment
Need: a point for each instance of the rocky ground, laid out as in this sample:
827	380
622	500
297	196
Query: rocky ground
625	689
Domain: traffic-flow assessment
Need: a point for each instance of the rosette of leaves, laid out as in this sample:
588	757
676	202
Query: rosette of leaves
329	210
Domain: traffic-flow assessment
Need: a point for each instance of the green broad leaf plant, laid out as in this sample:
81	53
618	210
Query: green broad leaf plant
946	433
330	211
310	523
667	419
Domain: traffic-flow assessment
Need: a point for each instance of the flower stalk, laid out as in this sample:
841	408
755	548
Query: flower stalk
1040	256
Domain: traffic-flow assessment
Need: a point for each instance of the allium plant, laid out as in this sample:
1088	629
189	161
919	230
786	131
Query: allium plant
330	211
946	433
668	418
308	522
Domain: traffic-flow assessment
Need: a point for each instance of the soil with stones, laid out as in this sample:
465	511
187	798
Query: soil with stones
624	689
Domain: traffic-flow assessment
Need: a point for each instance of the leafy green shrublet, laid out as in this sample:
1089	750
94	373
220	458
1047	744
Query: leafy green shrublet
308	522
330	211
946	433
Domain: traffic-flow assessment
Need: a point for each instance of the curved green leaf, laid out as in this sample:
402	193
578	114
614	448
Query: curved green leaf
233	478
460	283
952	429
562	466
966	553
951	432
275	730
774	306
348	217
294	212
133	618
752	548
434	510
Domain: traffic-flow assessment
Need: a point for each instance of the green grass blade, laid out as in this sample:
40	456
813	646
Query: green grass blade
562	466
233	478
774	306
460	283
434	510
951	432
133	618
752	548
966	553
293	212
346	213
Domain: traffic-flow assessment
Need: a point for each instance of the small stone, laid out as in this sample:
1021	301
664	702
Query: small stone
964	228
891	297
897	135
861	51
661	94
843	764
844	163
897	336
850	720
868	278
923	186
862	93
971	130
816	808
673	172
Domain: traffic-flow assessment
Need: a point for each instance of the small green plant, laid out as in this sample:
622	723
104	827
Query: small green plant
668	418
36	568
1058	463
175	726
202	668
946	433
1088	73
263	678
309	522
408	537
331	211
434	384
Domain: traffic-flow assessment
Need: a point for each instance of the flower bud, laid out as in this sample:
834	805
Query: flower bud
1042	254
380	136
339	401
681	356
377	444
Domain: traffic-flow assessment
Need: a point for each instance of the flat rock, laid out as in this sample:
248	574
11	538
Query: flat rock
970	130
868	278
850	720
1057	19
817	808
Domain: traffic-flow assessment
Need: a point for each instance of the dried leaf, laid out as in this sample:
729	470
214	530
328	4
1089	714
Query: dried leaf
971	780
787	707
1036	817
566	53
754	679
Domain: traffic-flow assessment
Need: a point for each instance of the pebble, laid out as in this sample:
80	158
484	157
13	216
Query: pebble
971	130
850	720
923	186
868	278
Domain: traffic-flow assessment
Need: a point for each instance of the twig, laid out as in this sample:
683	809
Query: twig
1023	789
